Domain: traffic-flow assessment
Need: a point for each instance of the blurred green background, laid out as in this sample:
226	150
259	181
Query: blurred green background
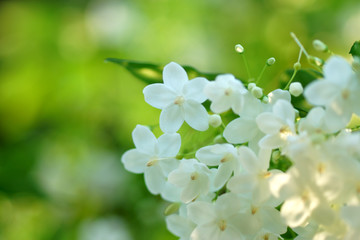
66	116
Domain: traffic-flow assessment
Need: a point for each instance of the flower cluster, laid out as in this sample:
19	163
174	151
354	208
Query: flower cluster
231	189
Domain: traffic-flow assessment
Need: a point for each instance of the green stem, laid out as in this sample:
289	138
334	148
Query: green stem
261	74
291	79
246	66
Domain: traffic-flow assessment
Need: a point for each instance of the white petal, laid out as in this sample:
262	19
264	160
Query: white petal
241	130
221	104
321	92
194	89
272	220
179	178
209	231
337	70
144	140
212	155
242	184
175	76
135	161
168	165
171	119
224	172
191	191
158	95
269	123
171	193
248	159
248	224
230	233
201	212
272	141
196	115
278	94
284	110
154	179
335	122
228	204
179	226
169	144
295	212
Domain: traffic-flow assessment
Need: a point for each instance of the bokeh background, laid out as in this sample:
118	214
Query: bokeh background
66	116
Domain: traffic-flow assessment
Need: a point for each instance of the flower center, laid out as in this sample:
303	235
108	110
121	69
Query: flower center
222	225
253	210
179	100
345	94
151	162
285	131
226	158
194	176
228	91
266	237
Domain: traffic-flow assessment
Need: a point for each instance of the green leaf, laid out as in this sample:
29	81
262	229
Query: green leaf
152	73
304	76
355	49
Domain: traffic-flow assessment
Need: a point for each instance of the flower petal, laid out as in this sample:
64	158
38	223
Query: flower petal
175	77
159	95
196	115
284	110
241	130
169	144
269	123
171	118
201	212
144	140
194	89
248	159
321	92
154	179
135	161
337	70
224	172
272	141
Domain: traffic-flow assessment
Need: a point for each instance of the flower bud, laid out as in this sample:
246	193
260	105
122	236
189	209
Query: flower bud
257	92
320	46
239	48
172	208
265	99
296	89
315	60
251	86
219	139
297	66
215	120
270	61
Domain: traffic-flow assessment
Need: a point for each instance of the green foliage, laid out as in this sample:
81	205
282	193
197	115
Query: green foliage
152	73
289	235
355	49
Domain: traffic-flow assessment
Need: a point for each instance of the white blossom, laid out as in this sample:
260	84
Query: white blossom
179	99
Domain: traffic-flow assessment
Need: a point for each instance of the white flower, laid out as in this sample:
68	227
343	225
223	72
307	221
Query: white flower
218	221
254	181
338	92
222	155
278	125
225	93
153	157
179	224
245	129
192	177
179	99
